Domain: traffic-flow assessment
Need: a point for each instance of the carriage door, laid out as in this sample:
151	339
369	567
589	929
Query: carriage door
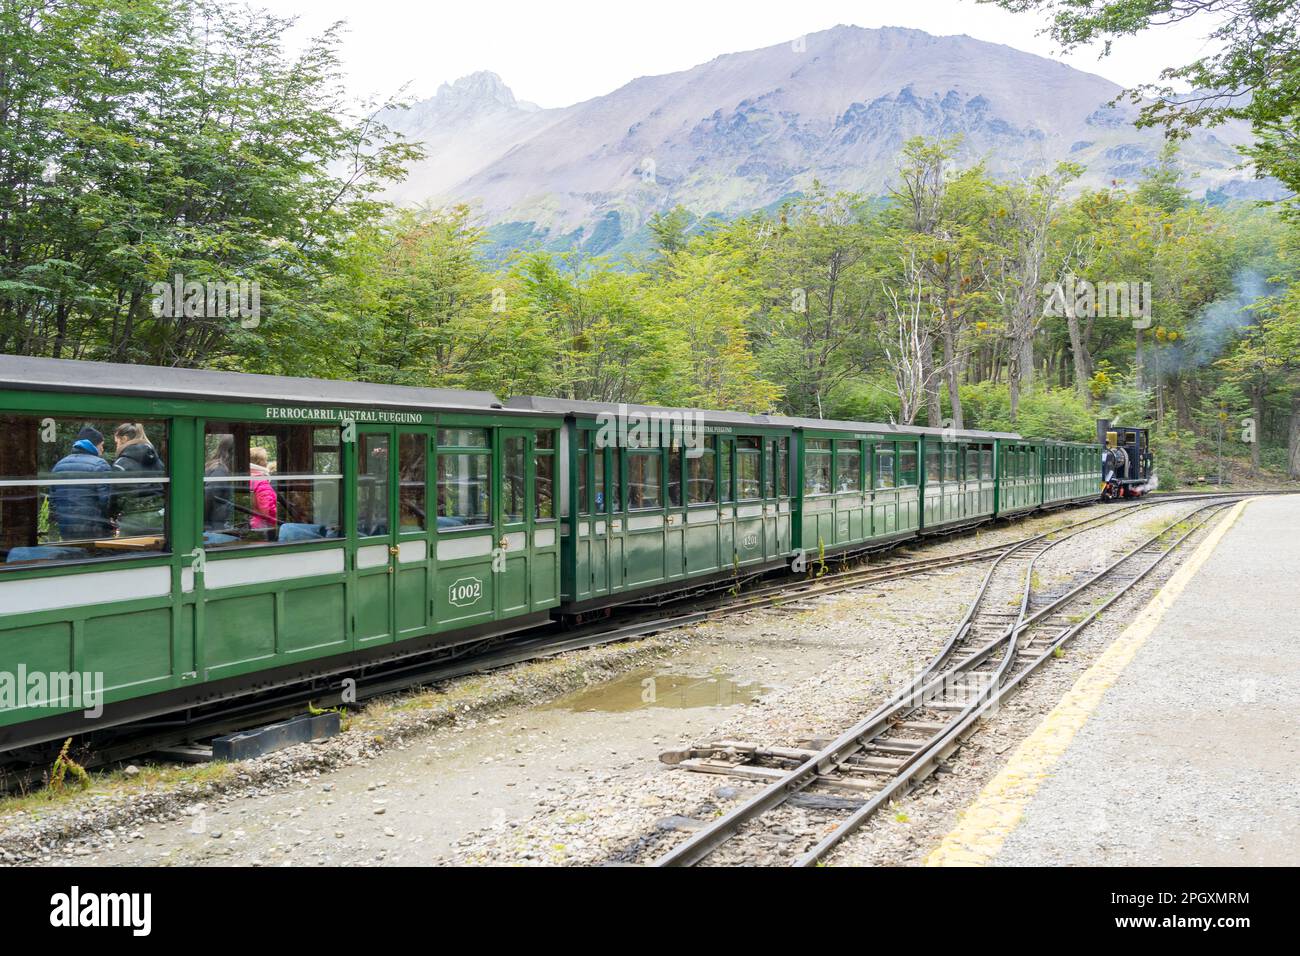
391	533
514	523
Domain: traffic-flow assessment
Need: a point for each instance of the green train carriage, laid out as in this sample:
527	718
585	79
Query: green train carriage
857	484
190	582
663	499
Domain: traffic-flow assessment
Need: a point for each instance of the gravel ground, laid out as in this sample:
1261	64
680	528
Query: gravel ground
485	771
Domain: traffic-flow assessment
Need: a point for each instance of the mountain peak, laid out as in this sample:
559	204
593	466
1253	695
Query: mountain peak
480	88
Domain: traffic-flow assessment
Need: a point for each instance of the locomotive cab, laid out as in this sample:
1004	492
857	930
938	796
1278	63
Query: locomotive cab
1126	462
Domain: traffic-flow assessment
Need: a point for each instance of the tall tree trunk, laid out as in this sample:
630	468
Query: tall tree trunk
1257	404
1293	440
1013	380
1139	362
933	407
952	369
1082	356
1181	406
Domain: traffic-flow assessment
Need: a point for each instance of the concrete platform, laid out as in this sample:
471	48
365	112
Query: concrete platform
1184	747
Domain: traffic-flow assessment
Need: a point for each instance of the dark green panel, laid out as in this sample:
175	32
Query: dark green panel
701	548
313	617
184	652
239	629
129	648
544	567
645	558
464	594
371	607
412	599
512	587
43	647
749	539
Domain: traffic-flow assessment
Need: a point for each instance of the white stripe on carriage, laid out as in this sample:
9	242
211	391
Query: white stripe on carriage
544	538
470	547
703	516
80	590
108	479
749	511
642	522
372	556
226	479
411	552
516	541
233	572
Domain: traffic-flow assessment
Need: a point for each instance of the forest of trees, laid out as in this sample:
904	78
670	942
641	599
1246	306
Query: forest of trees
142	139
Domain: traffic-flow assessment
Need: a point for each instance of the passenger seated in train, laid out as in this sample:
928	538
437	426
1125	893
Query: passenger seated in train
265	505
138	508
82	511
219	496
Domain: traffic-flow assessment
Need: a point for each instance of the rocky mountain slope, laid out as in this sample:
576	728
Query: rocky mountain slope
746	130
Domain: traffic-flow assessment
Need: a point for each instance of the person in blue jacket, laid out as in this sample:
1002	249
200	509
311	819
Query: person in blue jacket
82	510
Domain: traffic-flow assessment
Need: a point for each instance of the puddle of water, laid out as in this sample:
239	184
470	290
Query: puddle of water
650	688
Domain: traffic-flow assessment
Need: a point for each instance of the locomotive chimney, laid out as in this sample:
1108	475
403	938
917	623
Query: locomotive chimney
1103	426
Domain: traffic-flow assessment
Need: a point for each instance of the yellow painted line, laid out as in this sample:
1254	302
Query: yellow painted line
986	823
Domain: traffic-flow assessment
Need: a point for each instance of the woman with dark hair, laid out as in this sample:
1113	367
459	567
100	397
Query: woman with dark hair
140	507
219	496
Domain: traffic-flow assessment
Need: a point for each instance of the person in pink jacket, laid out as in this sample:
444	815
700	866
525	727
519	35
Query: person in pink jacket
264	502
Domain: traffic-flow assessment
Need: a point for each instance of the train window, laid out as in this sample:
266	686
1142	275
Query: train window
769	475
885	466
933	464
598	480
274	484
584	463
907	465
783	467
75	489
749	459
615	480
986	462
950	463
724	470
513	479
411	476
462	438
675	477
816	466
701	467
464	479
543	487
848	466
544	439
972	463
644	480
372	485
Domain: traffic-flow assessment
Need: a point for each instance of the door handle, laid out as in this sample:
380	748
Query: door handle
503	544
394	550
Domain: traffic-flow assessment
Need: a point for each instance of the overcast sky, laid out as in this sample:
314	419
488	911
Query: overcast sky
564	51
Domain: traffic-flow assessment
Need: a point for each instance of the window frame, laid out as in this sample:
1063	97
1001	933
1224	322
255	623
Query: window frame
59	566
493	464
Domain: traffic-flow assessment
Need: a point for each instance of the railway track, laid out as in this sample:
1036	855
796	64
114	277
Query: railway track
135	741
985	659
